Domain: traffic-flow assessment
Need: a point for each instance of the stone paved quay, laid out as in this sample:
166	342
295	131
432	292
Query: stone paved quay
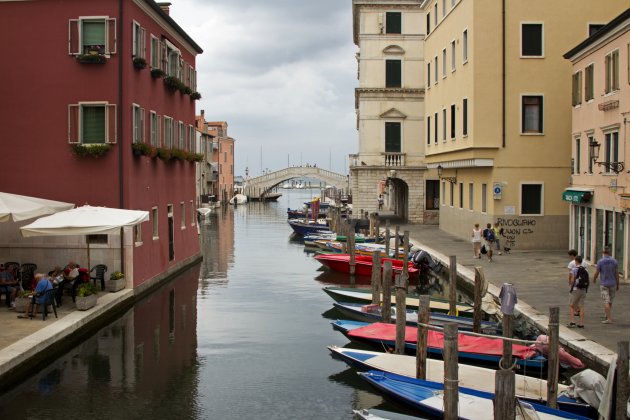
540	278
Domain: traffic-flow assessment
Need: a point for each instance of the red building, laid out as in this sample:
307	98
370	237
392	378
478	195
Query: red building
222	160
91	78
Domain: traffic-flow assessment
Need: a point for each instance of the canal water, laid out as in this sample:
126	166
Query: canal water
242	335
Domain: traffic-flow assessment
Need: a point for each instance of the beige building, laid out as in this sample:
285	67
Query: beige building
599	194
498	116
390	111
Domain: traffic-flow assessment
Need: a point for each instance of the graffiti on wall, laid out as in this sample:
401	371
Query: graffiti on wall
513	229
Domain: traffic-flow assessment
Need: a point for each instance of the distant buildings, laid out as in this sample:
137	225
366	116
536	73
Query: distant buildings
95	78
599	190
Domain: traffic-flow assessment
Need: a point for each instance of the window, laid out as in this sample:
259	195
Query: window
612	71
484	198
182	136
590	158
392	137
138	124
435	14
192	213
173	60
453	55
93	123
225	155
191	139
465	117
588	83
182	210
577	88
428	129
139	48
594	27
153	127
465	46
392	73
444	63
532	114
393	23
471	195
92	35
429	75
443	124
155	52
531	40
531	199
452	193
611	151
168	132
453	122
435	134
435	62
428	23
154	219
137	234
443	8
577	156
461	195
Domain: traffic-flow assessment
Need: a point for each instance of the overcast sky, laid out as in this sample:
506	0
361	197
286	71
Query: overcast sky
282	73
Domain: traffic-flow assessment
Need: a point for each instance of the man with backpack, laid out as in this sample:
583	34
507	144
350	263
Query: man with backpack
488	235
578	287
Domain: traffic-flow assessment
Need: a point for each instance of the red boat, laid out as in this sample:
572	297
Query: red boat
363	264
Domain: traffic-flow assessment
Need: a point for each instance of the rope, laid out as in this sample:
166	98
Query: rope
474	334
508	368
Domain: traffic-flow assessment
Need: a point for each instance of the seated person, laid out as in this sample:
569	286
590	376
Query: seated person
8	284
42	285
58	280
83	277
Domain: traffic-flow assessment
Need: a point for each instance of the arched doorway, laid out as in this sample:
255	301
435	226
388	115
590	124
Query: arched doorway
399	198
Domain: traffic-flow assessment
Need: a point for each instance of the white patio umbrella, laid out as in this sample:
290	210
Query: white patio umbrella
21	207
85	220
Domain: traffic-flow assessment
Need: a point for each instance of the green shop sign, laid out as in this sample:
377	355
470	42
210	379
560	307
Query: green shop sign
577	196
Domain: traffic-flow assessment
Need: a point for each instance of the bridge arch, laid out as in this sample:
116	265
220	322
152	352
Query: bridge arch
259	186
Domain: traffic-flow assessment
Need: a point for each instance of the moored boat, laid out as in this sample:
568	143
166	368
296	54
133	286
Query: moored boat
363	264
305	228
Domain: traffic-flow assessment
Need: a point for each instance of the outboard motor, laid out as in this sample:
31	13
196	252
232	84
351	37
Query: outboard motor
423	261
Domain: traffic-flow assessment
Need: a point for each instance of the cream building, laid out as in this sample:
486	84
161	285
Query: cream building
498	114
390	111
599	193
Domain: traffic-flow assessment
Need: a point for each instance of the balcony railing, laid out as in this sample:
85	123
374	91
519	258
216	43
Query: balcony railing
394	159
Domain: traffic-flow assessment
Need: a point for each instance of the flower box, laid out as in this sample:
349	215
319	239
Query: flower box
155	72
139	63
86	302
91	58
116	285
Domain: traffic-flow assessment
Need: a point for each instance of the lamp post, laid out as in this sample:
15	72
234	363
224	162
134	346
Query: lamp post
451	179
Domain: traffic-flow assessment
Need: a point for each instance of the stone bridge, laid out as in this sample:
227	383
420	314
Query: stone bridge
260	185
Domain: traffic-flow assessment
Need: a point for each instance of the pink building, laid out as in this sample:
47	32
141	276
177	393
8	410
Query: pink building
222	160
599	193
92	78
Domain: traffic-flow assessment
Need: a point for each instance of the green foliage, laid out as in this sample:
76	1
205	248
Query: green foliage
139	63
155	72
24	293
116	275
178	154
93	150
174	83
91	58
164	153
143	149
195	95
86	289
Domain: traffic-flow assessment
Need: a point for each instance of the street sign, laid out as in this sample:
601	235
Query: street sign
497	189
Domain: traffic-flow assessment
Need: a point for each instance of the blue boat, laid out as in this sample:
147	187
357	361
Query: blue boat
305	228
428	397
478	350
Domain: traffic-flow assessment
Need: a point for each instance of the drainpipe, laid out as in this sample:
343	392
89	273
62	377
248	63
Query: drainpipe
503	71
121	195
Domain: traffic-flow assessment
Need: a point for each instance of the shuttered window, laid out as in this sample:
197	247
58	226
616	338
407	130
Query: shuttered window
92	123
139	41
392	137
532	40
92	36
429	130
392	73
465	117
155	52
138	124
168	132
577	89
588	83
393	22
612	71
532	114
153	124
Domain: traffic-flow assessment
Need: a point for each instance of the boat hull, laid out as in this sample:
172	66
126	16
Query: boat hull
303	229
363	264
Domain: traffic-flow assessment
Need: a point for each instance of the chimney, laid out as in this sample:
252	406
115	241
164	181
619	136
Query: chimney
202	113
165	6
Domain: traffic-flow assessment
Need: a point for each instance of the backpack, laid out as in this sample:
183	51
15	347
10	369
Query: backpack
490	235
581	279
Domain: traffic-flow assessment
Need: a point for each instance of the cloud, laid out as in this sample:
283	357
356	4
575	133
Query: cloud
281	73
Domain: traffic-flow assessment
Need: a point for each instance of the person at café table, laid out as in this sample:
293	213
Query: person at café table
58	279
42	285
8	284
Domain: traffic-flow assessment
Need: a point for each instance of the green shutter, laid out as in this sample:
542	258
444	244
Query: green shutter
392	137
93	124
93	32
393	22
392	73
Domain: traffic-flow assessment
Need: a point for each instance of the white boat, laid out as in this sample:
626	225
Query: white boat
286	185
204	211
238	199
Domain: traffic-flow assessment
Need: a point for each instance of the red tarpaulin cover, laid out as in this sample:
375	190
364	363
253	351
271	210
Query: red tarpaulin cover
435	339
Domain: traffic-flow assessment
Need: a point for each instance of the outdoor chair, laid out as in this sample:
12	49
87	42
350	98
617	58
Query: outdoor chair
27	274
98	273
49	299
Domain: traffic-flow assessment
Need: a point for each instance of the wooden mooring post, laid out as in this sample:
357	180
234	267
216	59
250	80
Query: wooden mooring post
553	361
376	277
423	332
405	268
401	313
504	379
387	235
621	374
386	311
351	251
451	374
377	229
452	285
396	242
477	314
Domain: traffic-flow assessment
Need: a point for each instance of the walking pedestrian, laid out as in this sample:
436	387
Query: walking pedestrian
498	232
488	235
578	287
476	241
607	267
380	202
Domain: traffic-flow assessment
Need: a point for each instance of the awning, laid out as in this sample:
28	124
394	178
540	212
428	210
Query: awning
577	196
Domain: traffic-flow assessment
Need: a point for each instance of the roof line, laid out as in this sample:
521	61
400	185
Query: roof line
598	35
174	24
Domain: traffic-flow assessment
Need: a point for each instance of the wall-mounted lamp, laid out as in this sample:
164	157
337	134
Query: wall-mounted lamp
615	167
451	179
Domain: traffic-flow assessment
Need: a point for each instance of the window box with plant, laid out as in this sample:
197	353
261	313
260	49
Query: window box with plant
86	296
93	150
139	63
164	153
143	149
195	96
116	281
156	72
90	58
173	83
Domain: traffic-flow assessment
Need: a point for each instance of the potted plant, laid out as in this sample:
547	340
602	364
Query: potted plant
155	72
86	296
22	299
164	153
116	281
141	148
178	154
139	63
93	150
